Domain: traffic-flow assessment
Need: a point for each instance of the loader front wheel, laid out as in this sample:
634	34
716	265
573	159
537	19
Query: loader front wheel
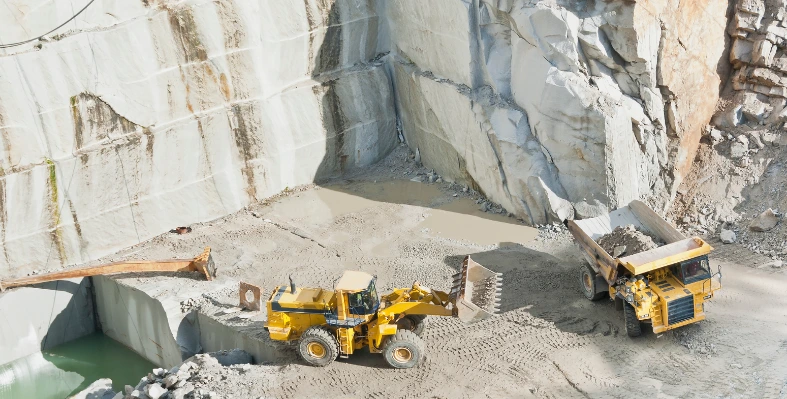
413	322
633	325
404	350
590	284
318	346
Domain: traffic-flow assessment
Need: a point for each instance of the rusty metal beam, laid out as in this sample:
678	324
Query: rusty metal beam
256	302
203	263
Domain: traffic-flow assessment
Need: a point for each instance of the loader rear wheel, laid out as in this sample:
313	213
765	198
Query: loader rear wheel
412	322
590	283
633	325
404	350
318	346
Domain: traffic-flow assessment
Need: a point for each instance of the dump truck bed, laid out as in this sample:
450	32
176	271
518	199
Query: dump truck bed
677	248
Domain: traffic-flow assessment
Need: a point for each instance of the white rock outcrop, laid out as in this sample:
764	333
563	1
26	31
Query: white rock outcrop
140	116
557	109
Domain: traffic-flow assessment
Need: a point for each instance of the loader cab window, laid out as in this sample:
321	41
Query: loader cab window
692	270
364	302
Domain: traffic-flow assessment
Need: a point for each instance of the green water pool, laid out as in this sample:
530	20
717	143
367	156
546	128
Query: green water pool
67	369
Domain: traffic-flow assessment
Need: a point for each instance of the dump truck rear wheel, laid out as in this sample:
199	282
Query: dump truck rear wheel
590	284
318	346
633	325
404	350
412	322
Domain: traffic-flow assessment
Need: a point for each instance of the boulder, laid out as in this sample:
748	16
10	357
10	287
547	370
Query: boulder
100	389
739	148
765	221
155	391
170	380
727	236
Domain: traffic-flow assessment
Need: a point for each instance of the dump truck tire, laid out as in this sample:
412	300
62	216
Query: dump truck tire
404	350
412	322
633	325
318	346
589	283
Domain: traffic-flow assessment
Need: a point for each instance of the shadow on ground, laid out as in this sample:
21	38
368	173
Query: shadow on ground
547	287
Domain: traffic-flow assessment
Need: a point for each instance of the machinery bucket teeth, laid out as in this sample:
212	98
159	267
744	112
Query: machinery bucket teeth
477	293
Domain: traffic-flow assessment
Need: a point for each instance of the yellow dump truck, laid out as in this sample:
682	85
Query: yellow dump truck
666	286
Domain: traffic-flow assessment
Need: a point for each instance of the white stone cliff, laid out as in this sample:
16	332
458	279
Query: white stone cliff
139	116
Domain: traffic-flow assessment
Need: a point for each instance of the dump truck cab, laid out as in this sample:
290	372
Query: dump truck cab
665	286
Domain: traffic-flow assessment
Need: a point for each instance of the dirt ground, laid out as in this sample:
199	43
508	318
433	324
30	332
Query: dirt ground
548	341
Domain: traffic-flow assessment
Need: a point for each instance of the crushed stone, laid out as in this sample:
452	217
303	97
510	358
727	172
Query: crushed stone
628	236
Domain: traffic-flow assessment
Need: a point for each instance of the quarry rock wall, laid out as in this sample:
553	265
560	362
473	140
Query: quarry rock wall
558	109
756	97
43	316
141	116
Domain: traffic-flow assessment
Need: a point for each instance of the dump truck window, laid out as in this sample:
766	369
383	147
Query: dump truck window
695	270
676	272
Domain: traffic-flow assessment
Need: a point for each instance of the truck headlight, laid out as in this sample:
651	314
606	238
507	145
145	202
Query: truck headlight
708	296
630	298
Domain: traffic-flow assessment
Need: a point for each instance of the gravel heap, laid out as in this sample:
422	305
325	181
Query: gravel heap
191	380
634	240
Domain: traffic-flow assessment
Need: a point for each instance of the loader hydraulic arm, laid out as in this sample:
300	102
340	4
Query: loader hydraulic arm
417	300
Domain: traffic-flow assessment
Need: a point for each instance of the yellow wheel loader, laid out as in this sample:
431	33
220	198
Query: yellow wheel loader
335	323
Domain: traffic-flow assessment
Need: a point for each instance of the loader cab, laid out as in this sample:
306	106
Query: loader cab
692	270
360	291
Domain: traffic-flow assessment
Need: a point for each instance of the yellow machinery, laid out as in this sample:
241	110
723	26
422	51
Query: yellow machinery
329	324
665	286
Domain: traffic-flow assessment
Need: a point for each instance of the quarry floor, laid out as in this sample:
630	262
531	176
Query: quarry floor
548	341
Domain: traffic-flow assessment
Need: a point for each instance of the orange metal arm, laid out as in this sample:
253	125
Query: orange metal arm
202	263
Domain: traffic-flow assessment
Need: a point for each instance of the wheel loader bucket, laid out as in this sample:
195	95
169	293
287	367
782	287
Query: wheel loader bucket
476	292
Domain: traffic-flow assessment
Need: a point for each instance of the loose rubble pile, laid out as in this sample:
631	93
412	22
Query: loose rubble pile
553	231
627	240
181	382
737	199
760	63
763	235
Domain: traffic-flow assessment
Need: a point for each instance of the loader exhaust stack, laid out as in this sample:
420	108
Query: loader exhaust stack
476	292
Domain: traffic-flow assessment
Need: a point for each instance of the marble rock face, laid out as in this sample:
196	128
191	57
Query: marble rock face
144	115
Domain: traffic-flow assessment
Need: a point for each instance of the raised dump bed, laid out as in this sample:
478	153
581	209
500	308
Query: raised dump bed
665	286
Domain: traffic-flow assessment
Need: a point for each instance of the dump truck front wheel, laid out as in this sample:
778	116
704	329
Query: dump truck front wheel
412	322
590	284
318	346
404	350
633	325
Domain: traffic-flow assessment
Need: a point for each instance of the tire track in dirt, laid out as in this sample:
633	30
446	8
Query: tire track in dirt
549	342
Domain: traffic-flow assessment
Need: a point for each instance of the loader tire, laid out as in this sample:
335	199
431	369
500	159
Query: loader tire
318	346
412	322
404	350
633	325
589	282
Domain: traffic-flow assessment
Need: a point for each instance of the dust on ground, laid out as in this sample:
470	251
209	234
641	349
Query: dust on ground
548	340
626	240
